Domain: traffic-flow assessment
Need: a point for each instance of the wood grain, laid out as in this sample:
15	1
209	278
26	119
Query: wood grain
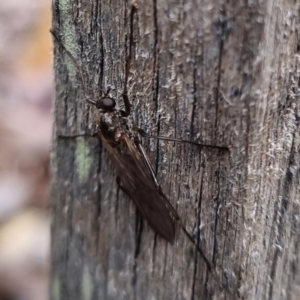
220	72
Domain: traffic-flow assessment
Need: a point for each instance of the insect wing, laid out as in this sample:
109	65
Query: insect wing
137	182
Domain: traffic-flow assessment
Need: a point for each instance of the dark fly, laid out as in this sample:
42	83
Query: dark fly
135	175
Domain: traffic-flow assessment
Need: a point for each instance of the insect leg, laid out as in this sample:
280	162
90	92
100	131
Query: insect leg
144	134
170	206
128	62
177	218
118	180
77	64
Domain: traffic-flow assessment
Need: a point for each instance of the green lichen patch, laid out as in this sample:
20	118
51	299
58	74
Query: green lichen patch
87	287
55	288
68	35
83	158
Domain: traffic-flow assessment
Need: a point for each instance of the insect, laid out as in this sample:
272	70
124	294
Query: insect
135	175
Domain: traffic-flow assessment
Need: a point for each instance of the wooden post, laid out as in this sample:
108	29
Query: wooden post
220	72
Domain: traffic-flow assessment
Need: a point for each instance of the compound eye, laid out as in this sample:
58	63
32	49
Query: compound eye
108	103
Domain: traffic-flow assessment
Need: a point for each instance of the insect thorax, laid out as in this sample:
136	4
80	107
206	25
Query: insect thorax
112	125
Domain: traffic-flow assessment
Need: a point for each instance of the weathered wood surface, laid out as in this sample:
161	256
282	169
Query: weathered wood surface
223	72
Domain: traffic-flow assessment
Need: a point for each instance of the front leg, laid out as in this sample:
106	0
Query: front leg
126	103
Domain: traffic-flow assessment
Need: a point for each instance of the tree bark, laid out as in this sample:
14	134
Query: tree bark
220	72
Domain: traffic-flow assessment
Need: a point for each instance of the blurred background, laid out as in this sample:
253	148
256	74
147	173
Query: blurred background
26	95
